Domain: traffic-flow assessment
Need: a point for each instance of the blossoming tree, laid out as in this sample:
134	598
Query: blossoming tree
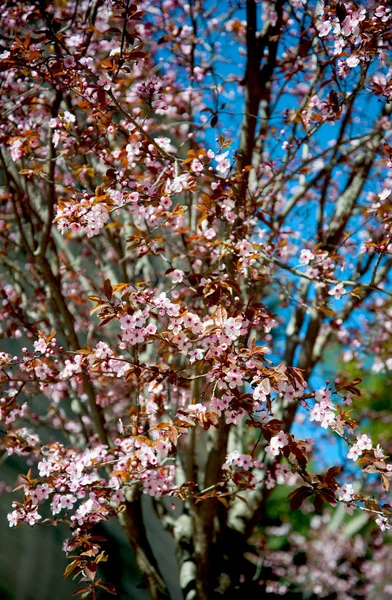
195	218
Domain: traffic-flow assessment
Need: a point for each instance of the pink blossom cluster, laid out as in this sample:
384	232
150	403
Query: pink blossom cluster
349	31
363	443
345	493
152	92
87	216
236	459
277	442
134	331
324	409
71	481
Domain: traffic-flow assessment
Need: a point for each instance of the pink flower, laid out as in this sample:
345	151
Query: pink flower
15	149
163	447
105	82
378	452
383	523
165	202
151	329
67	501
69	117
235	459
103	350
305	257
176	185
277	442
245	247
223	162
13	518
69	62
40	345
322	411
197	166
364	442
195	355
337	291
118	496
197	409
353	61
232	328
345	492
210	233
177	276
32	517
233	416
324	28
165	144
262	390
234	378
384	194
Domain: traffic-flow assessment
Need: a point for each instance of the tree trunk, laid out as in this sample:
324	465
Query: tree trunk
134	527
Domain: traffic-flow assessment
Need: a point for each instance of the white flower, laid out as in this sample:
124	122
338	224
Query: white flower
69	117
345	493
177	276
338	291
232	328
102	350
195	355
262	390
33	517
352	61
364	442
277	443
324	28
13	518
378	452
197	409
210	233
382	522
177	185
165	144
197	166
40	345
354	453
223	162
56	138
305	257
384	194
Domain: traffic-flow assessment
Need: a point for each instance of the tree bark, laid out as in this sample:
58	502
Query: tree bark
134	527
